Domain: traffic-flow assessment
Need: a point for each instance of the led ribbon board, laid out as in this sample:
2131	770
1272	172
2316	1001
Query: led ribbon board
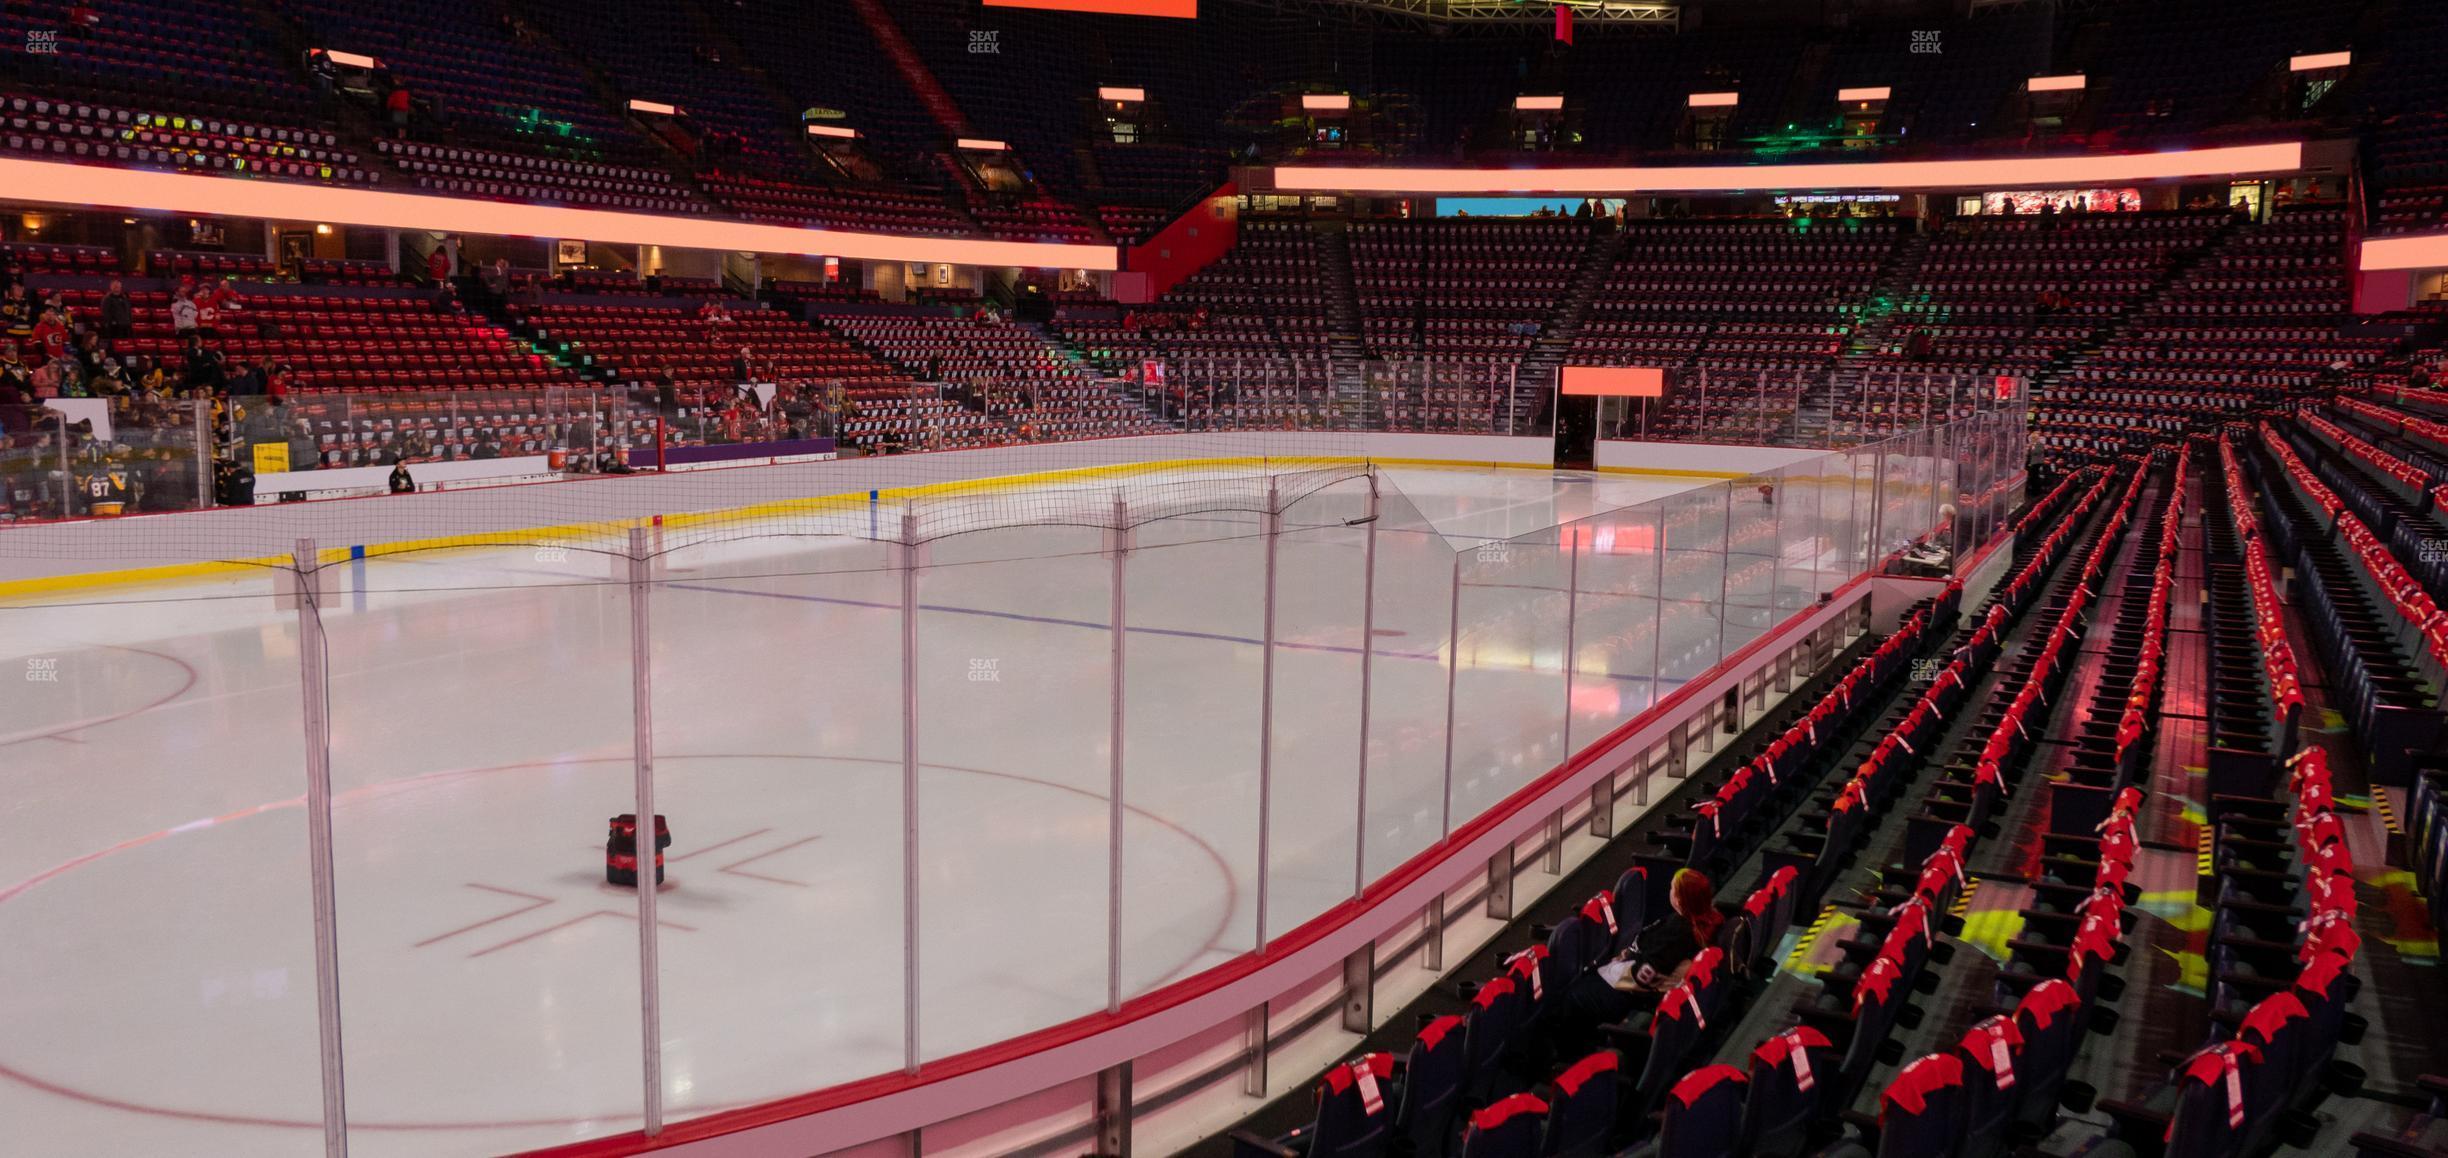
2082	169
1185	9
191	194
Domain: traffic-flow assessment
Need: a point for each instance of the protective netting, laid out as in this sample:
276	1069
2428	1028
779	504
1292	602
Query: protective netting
1116	499
946	493
944	764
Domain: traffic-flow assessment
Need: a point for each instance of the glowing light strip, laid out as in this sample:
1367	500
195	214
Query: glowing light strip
1182	9
1329	101
981	144
831	131
2011	173
1113	93
1715	100
1880	93
59	183
654	107
2068	83
2404	251
2318	60
350	59
1538	104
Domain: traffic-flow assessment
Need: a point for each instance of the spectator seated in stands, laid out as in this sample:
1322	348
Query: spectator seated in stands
16	388
17	311
1658	960
51	335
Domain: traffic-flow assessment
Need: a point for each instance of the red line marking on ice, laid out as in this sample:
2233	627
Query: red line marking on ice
11	1072
535	902
187	681
734	867
582	917
673	860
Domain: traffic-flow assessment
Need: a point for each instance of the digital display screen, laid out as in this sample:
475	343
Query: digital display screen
1615	381
2063	200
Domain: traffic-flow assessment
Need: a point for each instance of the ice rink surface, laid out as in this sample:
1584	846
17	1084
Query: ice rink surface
157	985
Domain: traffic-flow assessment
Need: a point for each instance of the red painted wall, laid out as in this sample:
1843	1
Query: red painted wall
2378	291
1194	240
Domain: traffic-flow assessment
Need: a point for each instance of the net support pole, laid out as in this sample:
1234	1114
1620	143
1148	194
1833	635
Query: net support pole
1368	651
1120	543
1453	668
650	860
1725	572
1657	634
1878	511
1704	377
67	483
200	419
1511	401
910	563
1776	554
1266	708
1572	611
314	678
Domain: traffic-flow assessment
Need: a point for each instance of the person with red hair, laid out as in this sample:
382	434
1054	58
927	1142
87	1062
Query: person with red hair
1659	958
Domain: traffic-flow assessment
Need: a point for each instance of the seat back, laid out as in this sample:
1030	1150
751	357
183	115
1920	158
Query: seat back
1876	995
1509	1128
1990	1053
1712	979
1432	1085
1788	1075
1572	947
1631	894
1498	1011
2321	988
1770	907
2281	1028
1921	1113
1703	1115
2216	1097
1581	1117
1673	1032
1909	938
1533	977
1604	926
1734	938
1355	1119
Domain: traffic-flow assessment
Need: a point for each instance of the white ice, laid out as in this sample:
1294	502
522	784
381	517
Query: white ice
157	985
